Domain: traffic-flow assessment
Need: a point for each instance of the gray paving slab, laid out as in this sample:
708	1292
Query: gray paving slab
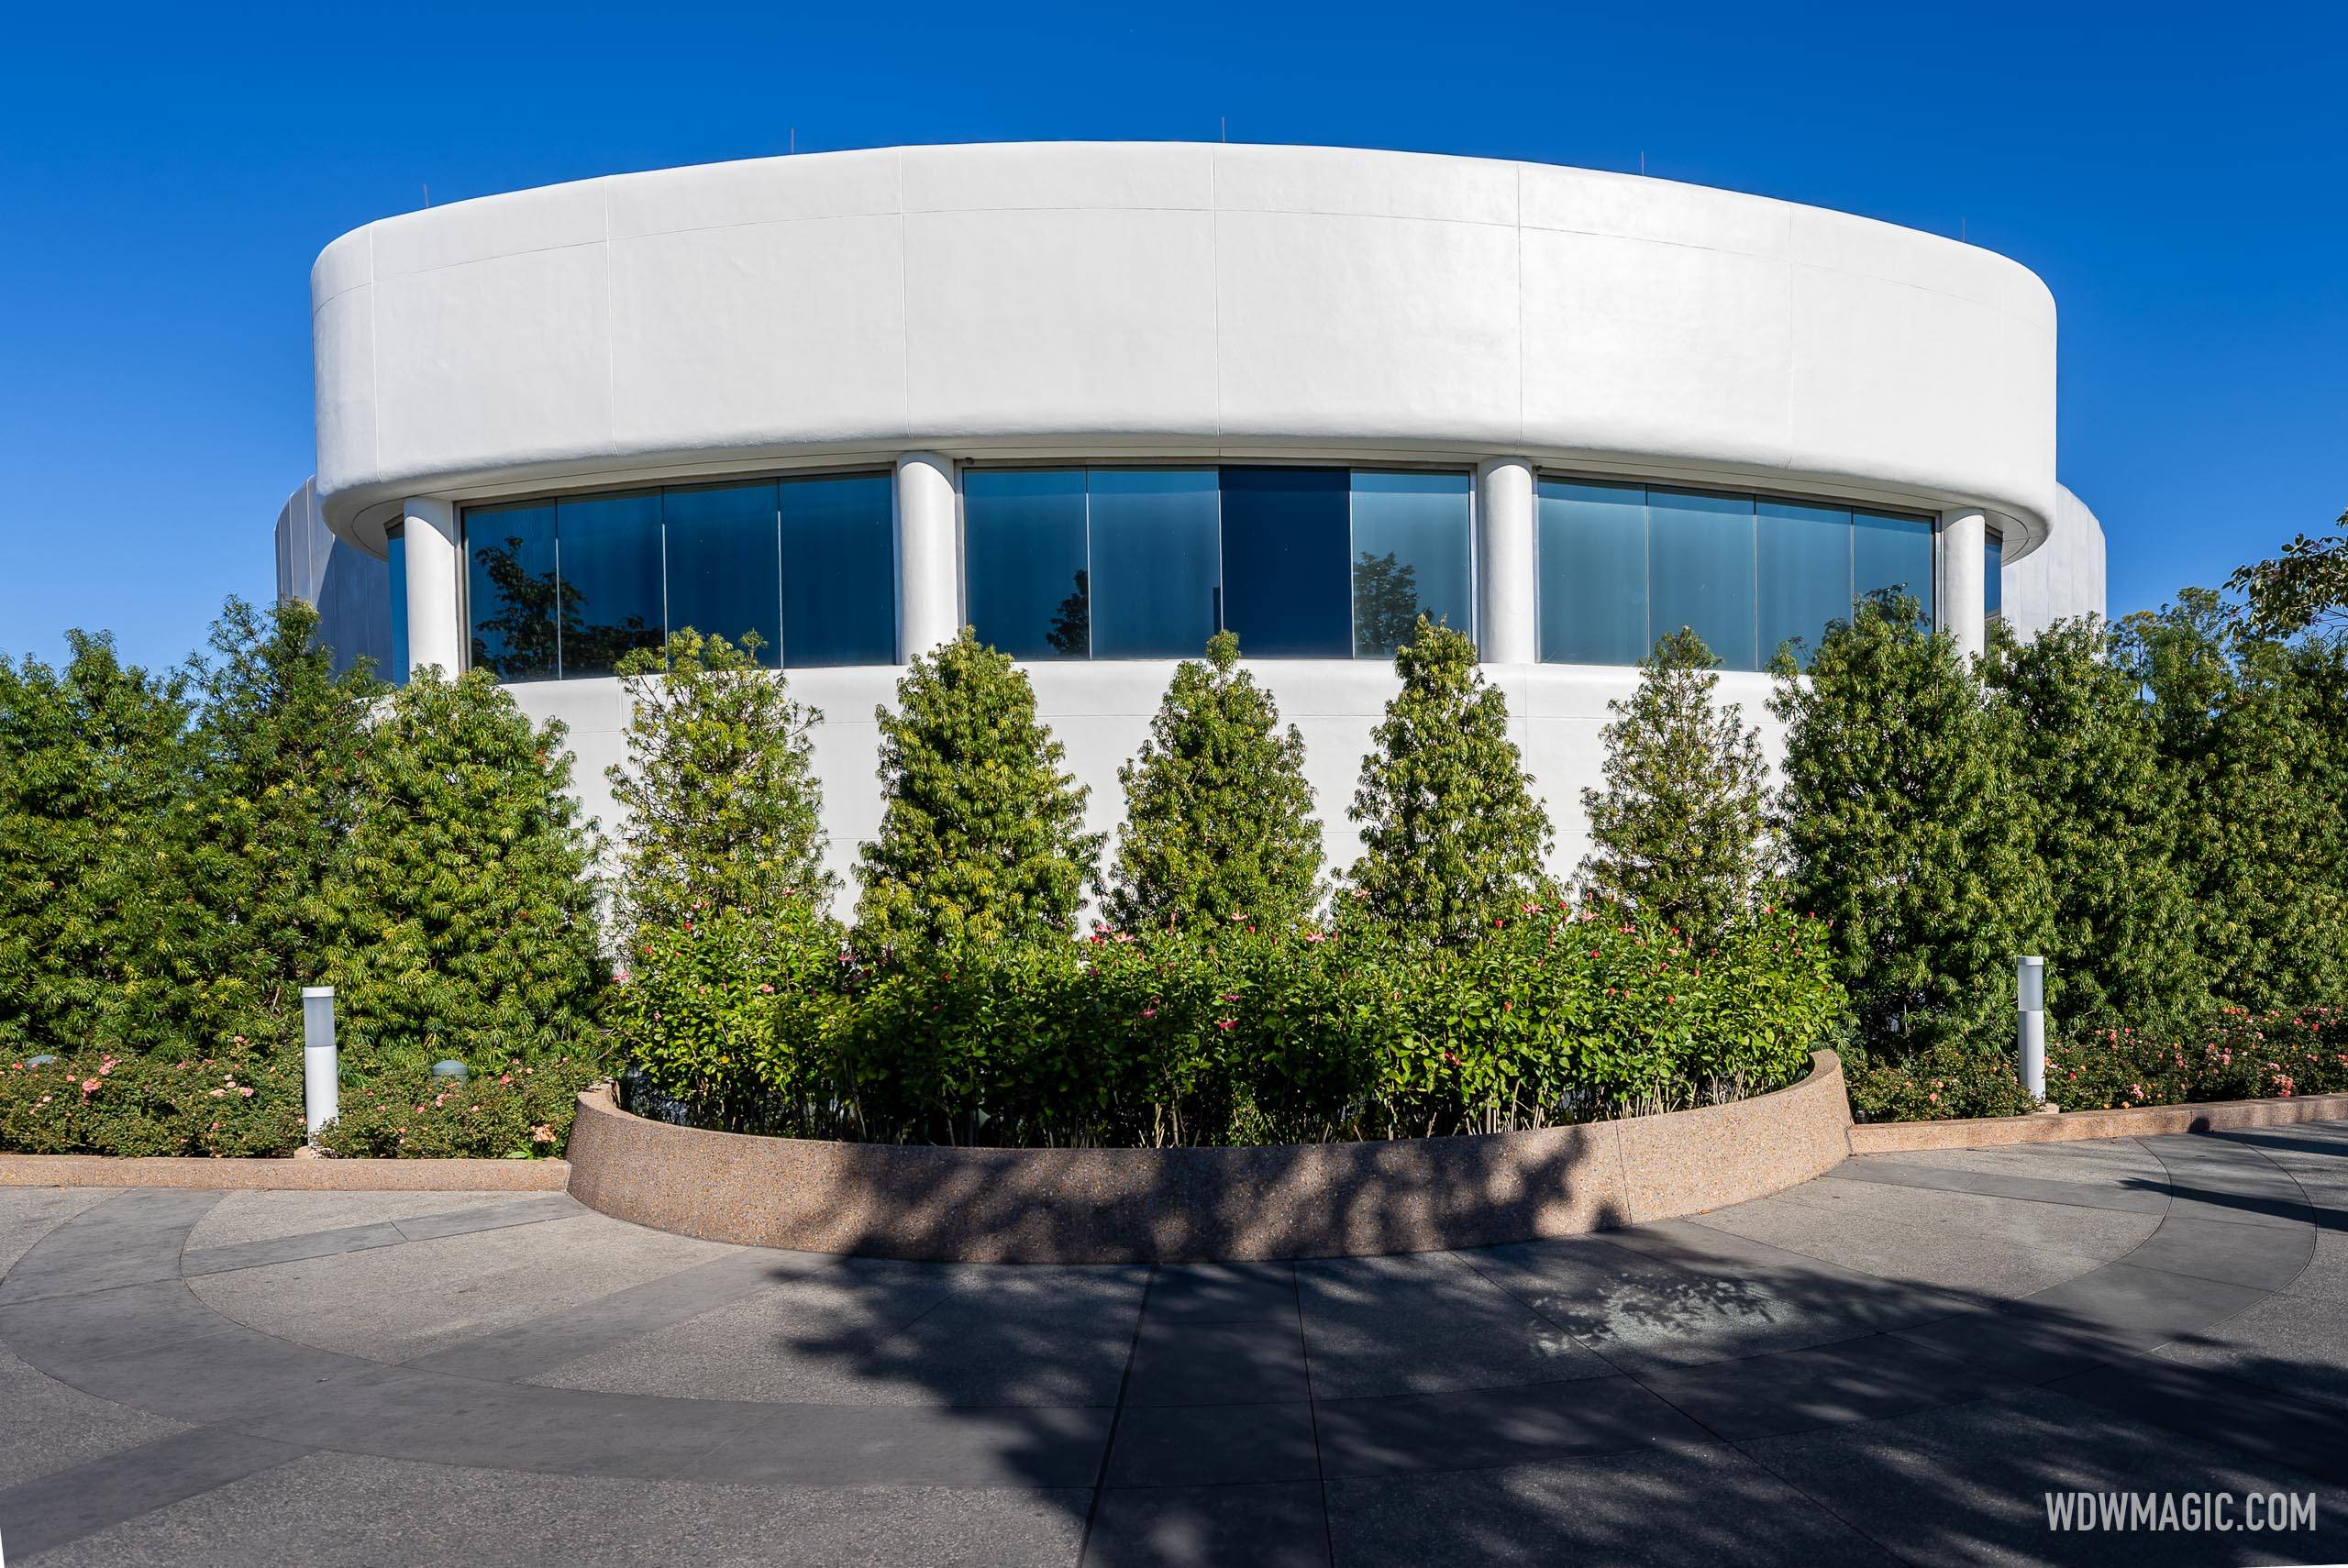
1275	1525
395	1304
1186	1363
522	1350
1224	1292
1205	1445
1477	1429
377	1512
2282	1426
1792	1391
1674	1506
61	1334
28	1213
1967	1483
1026	1337
1422	1324
2097	1232
2141	1195
67	1504
2097	1161
2104	1314
804	1445
134	1240
1922	1252
2292	1343
49	1425
289	1249
490	1217
265	1215
2189	1242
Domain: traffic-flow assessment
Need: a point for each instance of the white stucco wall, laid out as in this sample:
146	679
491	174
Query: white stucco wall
2061	577
1092	297
1101	713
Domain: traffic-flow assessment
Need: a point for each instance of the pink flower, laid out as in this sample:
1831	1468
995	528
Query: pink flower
1316	936
89	1086
216	1093
542	1134
1227	1025
1149	1012
246	1091
766	991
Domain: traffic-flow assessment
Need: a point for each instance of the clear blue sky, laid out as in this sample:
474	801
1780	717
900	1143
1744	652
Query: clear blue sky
166	174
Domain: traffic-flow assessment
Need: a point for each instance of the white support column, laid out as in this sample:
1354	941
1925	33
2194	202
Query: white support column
929	596
1505	631
1963	597
436	633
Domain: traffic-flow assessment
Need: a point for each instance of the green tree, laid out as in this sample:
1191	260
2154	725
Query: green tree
464	912
96	913
2255	731
1682	825
1905	830
1218	817
981	833
275	794
722	808
2306	586
2104	806
1453	836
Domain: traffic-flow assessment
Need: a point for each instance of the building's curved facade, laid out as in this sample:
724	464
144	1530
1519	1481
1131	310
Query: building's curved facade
1100	399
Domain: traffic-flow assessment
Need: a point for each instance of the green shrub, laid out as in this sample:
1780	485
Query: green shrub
1238	1035
241	1100
513	1108
2232	1054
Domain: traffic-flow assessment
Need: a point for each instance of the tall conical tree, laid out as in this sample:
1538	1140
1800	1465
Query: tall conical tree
1453	836
1906	833
722	810
1682	824
280	746
95	912
981	833
2103	806
465	909
1218	817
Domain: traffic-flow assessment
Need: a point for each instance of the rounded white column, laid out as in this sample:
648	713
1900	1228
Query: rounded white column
929	597
436	632
1505	625
1964	610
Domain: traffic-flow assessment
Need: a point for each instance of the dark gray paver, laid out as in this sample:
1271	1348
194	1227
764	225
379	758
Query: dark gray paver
490	1217
1481	1427
1217	1363
1224	1292
287	1249
1203	1445
62	1507
1423	1323
1275	1525
129	1240
2142	1199
1792	1391
847	1445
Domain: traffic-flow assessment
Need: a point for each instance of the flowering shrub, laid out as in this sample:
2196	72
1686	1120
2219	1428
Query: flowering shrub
1236	1035
511	1110
239	1101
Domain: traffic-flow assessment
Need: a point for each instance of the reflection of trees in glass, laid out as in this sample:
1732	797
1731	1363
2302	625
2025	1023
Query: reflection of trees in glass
1386	603
517	640
1071	632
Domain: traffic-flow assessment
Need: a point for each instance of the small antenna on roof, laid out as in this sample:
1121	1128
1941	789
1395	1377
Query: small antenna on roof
794	139
1960	227
1222	127
1643	161
428	193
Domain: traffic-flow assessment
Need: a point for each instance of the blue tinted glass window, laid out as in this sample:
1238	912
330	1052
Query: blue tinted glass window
1023	554
839	571
1156	561
1287	534
1895	554
395	558
1993	571
1805	575
1412	556
725	564
1593	588
608	554
1701	570
510	591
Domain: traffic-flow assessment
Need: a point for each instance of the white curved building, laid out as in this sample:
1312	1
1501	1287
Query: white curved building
1098	400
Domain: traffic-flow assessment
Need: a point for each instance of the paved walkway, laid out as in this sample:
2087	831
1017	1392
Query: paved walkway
1892	1364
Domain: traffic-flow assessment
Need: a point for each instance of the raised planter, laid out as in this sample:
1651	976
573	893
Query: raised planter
1184	1205
295	1176
2142	1121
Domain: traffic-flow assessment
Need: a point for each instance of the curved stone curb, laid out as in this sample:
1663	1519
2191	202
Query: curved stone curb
1198	1204
295	1175
2143	1122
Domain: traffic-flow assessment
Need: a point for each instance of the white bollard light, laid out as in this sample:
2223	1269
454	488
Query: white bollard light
2030	1000
321	1076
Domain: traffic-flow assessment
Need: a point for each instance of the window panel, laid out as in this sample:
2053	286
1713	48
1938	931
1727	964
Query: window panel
511	590
1993	571
1157	562
839	571
1594	578
1028	589
396	558
1701	570
1285	545
608	554
1411	554
724	569
1804	573
1896	554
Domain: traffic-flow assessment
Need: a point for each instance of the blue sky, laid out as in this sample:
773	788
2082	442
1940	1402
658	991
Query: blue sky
166	174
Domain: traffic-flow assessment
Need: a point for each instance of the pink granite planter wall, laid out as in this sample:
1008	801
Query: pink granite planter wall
1174	1205
2143	1122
